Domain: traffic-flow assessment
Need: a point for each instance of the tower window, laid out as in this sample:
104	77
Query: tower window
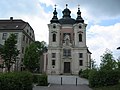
54	37
54	26
80	55
53	62
80	27
80	62
53	55
80	37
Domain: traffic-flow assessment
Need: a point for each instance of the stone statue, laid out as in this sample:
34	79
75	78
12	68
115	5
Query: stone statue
67	40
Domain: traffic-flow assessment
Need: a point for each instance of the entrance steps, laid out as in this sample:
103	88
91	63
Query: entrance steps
66	79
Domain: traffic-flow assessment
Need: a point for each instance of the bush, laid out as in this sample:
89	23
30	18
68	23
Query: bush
103	78
84	73
35	78
16	81
40	80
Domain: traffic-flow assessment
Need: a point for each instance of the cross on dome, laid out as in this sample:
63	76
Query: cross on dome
55	5
66	5
78	6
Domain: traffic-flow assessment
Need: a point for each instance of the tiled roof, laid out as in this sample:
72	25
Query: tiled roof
12	24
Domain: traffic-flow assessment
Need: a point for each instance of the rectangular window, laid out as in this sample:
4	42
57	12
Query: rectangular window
26	40
80	55
16	34
66	52
29	41
4	37
53	55
22	49
53	62
81	62
23	37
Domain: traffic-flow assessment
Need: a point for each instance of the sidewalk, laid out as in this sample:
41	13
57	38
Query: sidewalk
57	79
63	87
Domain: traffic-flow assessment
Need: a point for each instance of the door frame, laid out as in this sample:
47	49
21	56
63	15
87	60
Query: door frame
68	64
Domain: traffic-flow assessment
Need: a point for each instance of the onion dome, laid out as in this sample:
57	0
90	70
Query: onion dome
79	19
66	19
54	19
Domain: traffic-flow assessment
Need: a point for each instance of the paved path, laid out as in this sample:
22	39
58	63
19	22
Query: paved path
63	87
56	79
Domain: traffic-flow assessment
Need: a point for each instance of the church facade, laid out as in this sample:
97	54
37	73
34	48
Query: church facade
67	49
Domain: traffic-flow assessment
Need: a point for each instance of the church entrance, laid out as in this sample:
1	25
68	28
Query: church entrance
66	67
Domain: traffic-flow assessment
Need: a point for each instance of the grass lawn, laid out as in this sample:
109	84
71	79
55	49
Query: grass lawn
115	87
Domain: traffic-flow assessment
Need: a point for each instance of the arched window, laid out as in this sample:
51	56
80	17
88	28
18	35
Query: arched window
54	38
80	37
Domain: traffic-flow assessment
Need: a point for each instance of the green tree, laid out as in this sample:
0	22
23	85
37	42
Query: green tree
32	55
93	64
107	61
9	52
118	63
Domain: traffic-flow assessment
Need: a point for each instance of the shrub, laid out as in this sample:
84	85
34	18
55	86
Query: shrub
35	78
16	81
84	73
40	80
103	78
80	71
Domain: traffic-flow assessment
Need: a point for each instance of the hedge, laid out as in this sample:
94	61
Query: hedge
103	78
84	73
16	81
40	80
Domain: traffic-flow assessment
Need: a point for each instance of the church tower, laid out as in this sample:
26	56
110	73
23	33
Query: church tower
67	50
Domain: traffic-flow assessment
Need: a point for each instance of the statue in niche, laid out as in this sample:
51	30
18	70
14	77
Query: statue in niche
67	40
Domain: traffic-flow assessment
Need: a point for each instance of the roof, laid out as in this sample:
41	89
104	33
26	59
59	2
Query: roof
88	51
12	24
67	21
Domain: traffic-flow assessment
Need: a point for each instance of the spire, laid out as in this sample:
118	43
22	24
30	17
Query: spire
66	12
54	19
79	19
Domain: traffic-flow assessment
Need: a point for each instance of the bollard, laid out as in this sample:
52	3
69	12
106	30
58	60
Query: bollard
61	80
76	81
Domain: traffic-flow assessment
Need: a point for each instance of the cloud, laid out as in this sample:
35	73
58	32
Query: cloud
30	11
92	10
10	7
101	37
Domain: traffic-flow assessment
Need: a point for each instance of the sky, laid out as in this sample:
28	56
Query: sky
102	17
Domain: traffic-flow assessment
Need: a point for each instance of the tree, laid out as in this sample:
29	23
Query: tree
93	64
118	63
107	61
9	52
32	55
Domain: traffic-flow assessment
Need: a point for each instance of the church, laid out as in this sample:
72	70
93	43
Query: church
67	49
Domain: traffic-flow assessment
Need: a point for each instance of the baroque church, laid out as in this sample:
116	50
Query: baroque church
67	49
